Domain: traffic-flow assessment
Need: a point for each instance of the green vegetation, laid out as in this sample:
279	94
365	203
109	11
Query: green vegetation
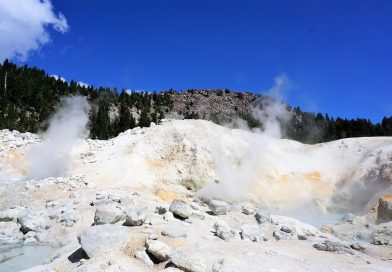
28	97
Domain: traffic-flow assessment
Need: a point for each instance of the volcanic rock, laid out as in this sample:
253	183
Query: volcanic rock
181	209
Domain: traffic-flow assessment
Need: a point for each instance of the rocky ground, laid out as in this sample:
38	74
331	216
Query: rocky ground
134	203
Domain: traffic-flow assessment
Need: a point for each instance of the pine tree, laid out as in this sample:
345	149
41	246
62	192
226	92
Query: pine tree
144	119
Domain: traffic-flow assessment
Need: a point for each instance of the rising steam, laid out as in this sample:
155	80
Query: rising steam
235	180
51	158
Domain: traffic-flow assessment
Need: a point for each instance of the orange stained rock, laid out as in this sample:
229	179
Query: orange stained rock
386	197
168	196
155	163
313	176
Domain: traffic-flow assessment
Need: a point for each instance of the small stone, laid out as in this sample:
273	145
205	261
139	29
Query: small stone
286	229
280	235
174	231
357	246
263	217
158	249
247	211
143	257
136	216
33	223
218	207
188	261
108	214
251	232
181	209
161	209
169	217
223	231
152	236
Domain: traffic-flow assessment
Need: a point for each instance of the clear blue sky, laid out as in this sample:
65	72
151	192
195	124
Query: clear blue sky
337	54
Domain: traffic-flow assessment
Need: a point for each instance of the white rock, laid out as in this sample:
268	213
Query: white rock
33	222
174	231
10	233
218	207
103	238
143	257
158	249
188	261
252	232
223	231
263	217
181	209
108	214
136	216
12	213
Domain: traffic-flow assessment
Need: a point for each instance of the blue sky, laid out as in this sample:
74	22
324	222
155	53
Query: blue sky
336	54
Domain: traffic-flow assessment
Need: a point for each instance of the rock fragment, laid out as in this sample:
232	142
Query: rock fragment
158	249
218	207
263	217
280	235
143	257
35	222
252	232
174	231
10	233
107	214
188	261
12	213
103	238
223	231
181	209
384	210
136	216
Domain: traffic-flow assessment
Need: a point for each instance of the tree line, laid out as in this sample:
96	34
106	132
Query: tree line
28	97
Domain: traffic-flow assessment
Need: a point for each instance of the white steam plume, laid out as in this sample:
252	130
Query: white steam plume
236	179
51	158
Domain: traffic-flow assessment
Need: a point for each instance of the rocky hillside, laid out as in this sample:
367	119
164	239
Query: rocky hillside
29	97
210	104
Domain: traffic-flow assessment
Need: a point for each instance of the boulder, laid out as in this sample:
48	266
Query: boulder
35	223
68	216
247	210
383	234
280	235
136	216
12	213
169	217
107	214
263	217
332	246
161	209
174	231
223	231
103	238
218	207
143	257
10	233
158	249
188	261
384	210
252	232
181	209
